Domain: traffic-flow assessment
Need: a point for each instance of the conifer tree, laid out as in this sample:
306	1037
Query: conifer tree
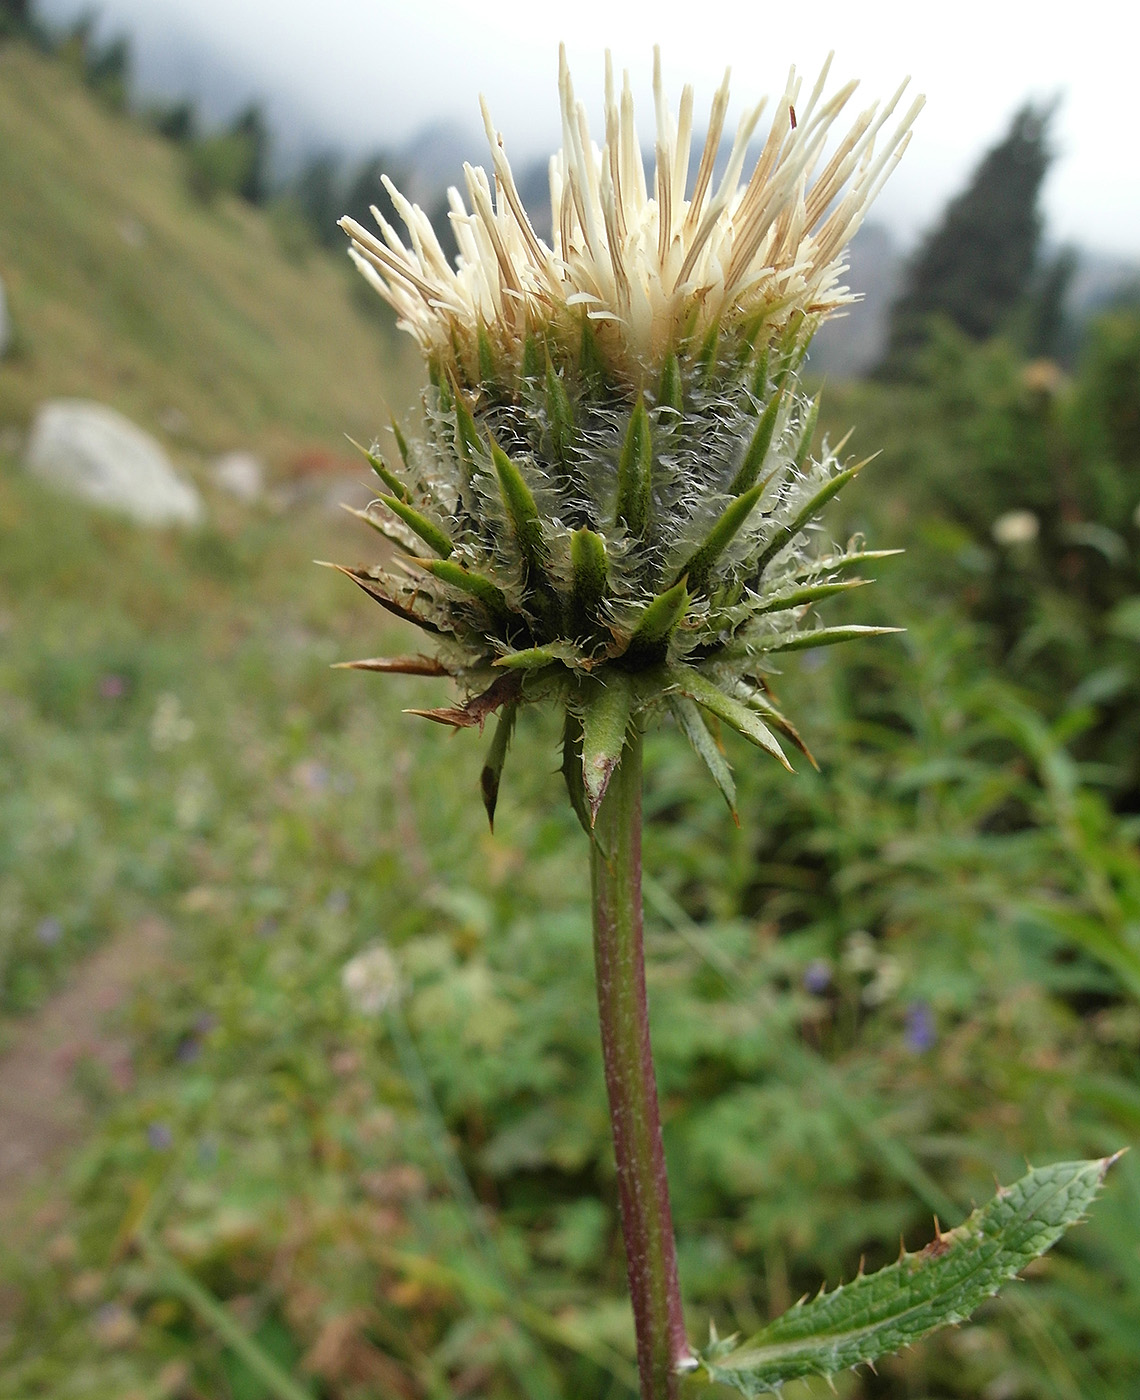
15	17
317	190
251	128
974	268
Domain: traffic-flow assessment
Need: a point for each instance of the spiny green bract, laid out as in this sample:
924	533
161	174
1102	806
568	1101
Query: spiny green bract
613	551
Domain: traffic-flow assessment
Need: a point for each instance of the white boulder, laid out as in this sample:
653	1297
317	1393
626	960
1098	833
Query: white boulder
96	454
242	474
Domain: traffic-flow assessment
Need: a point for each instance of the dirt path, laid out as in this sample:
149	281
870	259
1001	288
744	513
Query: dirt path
41	1113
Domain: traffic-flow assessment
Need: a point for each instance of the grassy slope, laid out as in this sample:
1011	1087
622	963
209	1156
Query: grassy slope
125	289
204	315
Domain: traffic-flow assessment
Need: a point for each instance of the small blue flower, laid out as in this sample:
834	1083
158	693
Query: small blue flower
159	1137
49	931
817	976
920	1034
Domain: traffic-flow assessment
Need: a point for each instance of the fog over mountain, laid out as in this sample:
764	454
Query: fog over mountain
177	55
369	74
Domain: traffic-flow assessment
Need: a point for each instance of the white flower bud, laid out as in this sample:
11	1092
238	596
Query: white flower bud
1016	527
371	980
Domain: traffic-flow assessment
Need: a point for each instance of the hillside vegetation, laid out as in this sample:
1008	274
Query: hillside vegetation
123	287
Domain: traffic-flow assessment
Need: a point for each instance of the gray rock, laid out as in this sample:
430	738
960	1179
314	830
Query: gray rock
96	454
242	474
5	322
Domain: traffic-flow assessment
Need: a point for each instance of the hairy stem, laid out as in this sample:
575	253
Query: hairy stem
643	1187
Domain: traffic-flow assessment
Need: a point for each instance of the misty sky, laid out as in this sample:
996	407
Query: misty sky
369	73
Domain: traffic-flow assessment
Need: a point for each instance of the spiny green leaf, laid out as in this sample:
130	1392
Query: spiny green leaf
804	445
572	770
757	447
837	563
809	593
943	1283
503	691
707	354
375	590
496	757
384	472
467	440
808	513
560	414
670	393
821	637
760	376
471	583
757	699
791	356
692	724
589	571
605	720
538	658
381	527
401	442
635	473
650	640
702	563
526	523
686	681
430	533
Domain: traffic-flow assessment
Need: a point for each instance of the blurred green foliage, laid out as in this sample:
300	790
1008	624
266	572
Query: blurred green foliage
1017	492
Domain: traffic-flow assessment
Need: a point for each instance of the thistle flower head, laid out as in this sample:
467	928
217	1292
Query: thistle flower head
611	496
652	271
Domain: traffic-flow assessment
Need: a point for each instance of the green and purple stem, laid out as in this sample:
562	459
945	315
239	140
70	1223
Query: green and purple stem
643	1189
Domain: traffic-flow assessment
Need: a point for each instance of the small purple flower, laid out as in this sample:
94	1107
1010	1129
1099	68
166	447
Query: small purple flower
189	1048
312	775
920	1034
112	687
49	931
159	1137
817	976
